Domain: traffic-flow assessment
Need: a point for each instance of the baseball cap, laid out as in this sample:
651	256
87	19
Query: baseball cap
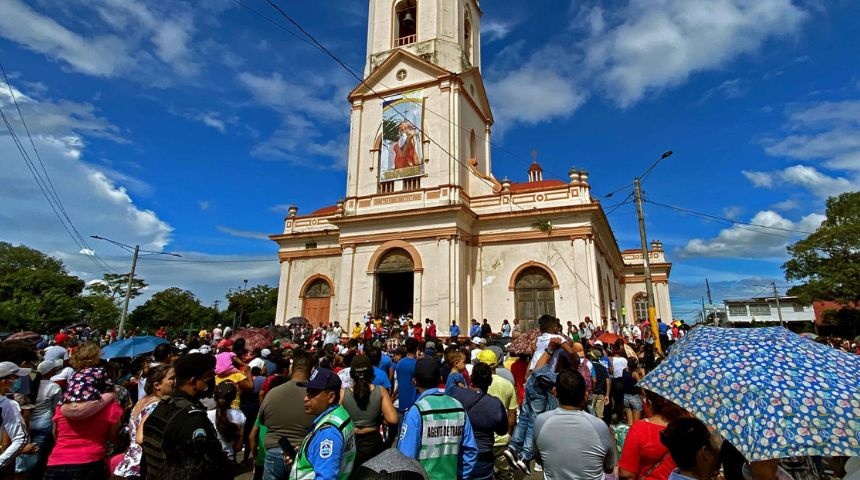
265	353
428	369
60	338
9	368
322	379
47	365
478	341
489	357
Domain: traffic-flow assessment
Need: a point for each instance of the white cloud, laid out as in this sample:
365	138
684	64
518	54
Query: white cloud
744	241
786	205
732	211
729	89
660	43
828	131
810	178
244	233
495	30
204	205
533	95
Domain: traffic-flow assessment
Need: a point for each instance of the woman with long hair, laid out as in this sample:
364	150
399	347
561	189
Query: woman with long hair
229	422
159	384
644	457
368	406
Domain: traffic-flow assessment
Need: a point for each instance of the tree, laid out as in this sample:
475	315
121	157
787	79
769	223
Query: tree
100	312
174	308
255	306
36	292
828	260
114	285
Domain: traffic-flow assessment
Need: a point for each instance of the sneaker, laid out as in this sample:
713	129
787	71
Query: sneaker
523	465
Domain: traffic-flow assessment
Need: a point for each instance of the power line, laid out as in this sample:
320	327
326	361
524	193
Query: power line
730	221
46	182
270	259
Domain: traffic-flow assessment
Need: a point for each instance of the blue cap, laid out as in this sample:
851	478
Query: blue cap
322	379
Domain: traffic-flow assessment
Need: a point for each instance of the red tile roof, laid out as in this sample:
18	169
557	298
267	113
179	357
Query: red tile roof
324	211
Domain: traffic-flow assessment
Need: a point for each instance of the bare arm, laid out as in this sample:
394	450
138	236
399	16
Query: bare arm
253	438
389	413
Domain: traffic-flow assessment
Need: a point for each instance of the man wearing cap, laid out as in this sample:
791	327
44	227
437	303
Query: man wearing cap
436	430
328	451
478	343
178	433
12	421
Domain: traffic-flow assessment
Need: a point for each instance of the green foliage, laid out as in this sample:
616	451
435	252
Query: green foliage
390	129
113	286
100	312
36	292
254	306
173	308
846	320
828	261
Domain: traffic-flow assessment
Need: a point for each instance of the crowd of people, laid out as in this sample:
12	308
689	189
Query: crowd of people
389	395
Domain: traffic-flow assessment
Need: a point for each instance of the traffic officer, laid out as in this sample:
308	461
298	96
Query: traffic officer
436	430
178	438
328	452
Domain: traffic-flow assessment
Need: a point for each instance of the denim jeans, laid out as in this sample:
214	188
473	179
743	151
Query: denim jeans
521	440
274	467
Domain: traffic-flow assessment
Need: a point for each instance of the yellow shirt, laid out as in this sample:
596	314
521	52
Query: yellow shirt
356	332
504	391
235	378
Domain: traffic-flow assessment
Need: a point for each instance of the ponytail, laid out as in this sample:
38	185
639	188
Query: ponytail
225	393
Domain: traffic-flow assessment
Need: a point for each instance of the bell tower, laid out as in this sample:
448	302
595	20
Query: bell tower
420	122
443	32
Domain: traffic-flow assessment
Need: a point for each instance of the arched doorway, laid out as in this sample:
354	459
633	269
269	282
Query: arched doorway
535	296
394	282
316	303
640	307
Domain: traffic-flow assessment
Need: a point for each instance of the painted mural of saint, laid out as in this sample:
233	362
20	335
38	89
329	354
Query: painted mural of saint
405	152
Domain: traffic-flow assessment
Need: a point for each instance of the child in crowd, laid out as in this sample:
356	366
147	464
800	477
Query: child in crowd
89	388
455	359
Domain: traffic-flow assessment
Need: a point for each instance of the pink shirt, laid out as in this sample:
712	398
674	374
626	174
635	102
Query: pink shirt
83	441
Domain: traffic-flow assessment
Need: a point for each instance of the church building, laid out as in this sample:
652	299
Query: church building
425	227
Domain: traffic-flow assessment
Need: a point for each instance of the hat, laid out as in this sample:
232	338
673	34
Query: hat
9	368
47	365
391	465
430	345
489	357
594	354
598	342
478	341
205	349
428	369
265	353
322	379
60	338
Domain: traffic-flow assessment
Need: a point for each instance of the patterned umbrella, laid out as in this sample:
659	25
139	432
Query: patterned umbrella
24	336
610	338
297	321
770	392
525	343
255	337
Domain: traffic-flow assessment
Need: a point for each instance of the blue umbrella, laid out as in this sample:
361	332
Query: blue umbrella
131	347
770	392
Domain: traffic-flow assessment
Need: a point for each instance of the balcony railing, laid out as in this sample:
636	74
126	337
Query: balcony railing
405	40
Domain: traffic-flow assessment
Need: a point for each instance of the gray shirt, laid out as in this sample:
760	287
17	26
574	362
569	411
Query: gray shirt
284	413
574	445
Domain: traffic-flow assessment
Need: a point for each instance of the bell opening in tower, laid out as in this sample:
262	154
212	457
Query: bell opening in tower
394	293
406	19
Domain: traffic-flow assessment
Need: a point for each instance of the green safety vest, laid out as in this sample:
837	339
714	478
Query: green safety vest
337	418
442	422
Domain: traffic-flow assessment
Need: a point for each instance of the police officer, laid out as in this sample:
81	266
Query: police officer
178	438
328	452
436	430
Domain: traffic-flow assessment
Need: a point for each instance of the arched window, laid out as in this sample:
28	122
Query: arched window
405	22
473	146
467	37
640	307
319	289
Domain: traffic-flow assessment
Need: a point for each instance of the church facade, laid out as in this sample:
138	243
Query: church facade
425	227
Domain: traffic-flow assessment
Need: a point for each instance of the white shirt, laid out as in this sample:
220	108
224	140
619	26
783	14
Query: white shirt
55	352
345	379
13	425
235	417
637	332
542	343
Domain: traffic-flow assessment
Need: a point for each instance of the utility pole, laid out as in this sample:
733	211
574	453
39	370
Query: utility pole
122	318
649	287
215	304
704	313
778	310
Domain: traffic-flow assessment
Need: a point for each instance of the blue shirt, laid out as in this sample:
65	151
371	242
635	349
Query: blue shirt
662	328
405	371
410	438
326	461
475	331
455	330
385	364
453	379
381	378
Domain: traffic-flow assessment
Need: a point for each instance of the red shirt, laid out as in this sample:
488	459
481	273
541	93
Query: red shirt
417	332
642	449
518	370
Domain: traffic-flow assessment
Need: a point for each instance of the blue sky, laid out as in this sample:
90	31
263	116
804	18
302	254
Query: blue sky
190	126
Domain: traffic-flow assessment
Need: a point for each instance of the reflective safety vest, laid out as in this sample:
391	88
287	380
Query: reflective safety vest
443	420
339	419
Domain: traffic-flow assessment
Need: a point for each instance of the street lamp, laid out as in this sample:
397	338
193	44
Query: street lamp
137	250
646	262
